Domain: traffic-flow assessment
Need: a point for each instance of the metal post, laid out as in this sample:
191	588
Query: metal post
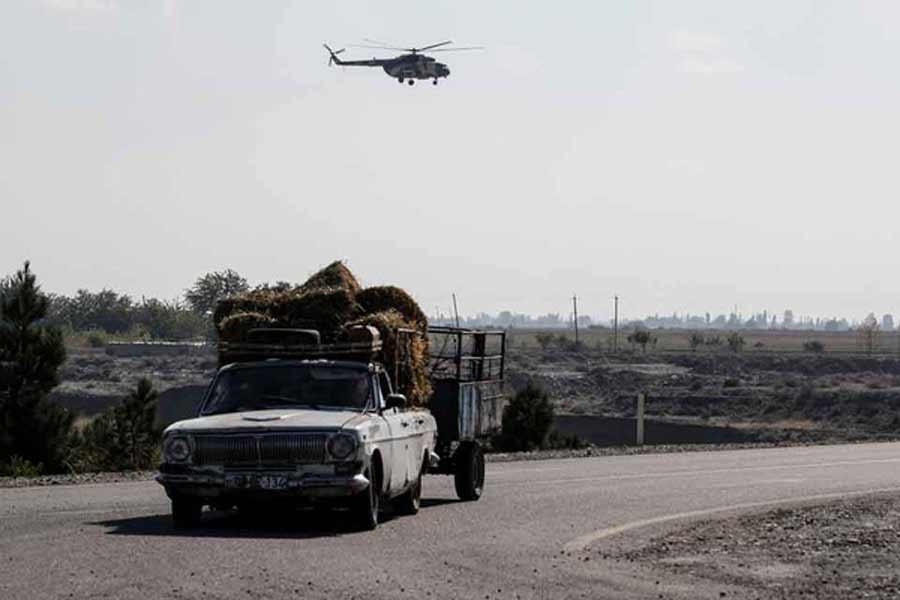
575	309
455	311
616	325
639	429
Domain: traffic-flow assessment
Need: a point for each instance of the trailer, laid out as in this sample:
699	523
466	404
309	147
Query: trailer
467	373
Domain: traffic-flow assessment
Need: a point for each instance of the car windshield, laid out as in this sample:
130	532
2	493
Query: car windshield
307	386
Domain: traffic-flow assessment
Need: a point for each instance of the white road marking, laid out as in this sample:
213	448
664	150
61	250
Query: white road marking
754	482
582	543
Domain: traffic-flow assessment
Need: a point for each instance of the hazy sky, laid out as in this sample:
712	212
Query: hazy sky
689	156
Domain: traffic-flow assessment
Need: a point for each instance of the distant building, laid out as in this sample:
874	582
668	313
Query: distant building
887	322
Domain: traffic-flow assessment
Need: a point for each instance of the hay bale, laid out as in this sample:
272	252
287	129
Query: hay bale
325	309
412	375
234	327
241	303
389	297
332	301
335	275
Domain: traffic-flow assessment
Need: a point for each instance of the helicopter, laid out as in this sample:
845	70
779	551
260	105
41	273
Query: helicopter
407	67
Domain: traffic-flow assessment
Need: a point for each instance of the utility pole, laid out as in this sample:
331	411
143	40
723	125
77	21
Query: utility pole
575	310
455	310
616	325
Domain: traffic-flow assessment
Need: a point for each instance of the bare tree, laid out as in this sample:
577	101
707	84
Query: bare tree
869	331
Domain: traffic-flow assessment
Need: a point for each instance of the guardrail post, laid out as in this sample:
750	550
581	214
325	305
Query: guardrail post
639	421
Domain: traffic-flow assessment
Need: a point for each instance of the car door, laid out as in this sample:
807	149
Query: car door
398	426
416	445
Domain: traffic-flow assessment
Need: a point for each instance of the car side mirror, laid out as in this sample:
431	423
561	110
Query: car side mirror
396	401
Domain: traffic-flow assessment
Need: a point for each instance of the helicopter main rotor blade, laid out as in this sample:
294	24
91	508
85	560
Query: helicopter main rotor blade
432	46
459	49
377	42
382	48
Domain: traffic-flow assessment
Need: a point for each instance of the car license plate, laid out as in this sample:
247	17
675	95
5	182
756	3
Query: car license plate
271	482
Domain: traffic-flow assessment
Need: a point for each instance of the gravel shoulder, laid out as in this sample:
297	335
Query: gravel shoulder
844	549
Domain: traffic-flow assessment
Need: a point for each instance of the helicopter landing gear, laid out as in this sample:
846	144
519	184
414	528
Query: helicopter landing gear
412	82
400	79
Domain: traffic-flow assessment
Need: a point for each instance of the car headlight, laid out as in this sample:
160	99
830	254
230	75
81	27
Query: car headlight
177	449
341	445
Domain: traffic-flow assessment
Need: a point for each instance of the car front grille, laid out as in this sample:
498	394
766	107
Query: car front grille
259	450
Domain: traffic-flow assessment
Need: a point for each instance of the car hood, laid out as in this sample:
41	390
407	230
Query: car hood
270	420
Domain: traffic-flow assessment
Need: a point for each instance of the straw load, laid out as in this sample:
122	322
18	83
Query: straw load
332	301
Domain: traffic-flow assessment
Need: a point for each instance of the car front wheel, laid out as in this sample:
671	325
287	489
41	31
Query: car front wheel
365	506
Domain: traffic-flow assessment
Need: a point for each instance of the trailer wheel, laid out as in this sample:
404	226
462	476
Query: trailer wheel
468	475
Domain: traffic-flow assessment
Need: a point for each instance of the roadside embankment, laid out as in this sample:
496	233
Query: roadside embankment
843	549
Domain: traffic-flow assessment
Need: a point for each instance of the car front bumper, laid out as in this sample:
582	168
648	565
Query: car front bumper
184	480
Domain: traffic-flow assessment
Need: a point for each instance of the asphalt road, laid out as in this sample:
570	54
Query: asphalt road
539	531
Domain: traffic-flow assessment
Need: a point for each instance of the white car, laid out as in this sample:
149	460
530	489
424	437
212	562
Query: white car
299	431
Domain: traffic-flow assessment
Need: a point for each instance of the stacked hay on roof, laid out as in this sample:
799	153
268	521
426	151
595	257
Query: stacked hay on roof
332	301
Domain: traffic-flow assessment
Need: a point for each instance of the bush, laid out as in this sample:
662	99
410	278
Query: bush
543	339
814	346
96	339
527	420
20	467
735	341
560	441
642	337
696	340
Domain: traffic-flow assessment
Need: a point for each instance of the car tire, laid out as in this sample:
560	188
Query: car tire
411	500
186	512
468	477
365	506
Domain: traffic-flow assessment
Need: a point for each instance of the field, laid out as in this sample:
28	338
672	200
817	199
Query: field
776	395
677	340
774	392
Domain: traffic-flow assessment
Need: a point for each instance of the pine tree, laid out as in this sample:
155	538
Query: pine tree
124	436
134	420
31	352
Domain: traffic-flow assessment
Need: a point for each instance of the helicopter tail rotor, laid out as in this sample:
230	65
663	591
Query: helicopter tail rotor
333	58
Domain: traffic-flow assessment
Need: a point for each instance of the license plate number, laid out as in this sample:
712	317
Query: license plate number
271	482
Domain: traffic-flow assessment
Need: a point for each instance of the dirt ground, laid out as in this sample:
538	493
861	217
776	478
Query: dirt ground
794	396
846	549
91	380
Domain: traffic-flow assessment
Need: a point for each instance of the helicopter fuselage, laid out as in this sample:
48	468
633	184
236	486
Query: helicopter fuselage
416	66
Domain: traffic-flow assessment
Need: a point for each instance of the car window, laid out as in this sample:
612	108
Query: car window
265	387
